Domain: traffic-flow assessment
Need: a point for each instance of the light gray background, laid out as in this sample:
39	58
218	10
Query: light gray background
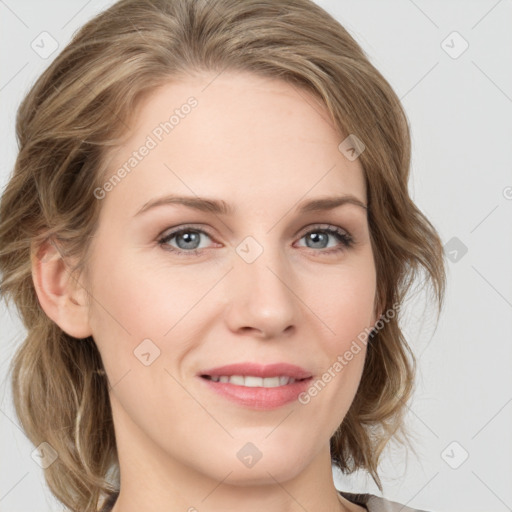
460	111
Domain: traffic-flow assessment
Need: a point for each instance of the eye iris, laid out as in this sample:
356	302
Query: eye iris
189	236
318	236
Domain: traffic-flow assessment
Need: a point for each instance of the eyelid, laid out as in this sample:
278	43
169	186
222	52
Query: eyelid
320	226
200	227
183	227
345	239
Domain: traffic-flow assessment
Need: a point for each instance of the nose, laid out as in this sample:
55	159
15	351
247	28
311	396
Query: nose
261	297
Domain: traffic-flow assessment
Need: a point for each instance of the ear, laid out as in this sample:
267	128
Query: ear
62	298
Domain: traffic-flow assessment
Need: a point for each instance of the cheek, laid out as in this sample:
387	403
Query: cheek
140	309
139	300
345	306
134	307
343	300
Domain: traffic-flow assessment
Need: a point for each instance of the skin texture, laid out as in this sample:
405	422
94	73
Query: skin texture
263	146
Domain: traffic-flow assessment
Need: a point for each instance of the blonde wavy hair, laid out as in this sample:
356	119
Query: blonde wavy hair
81	107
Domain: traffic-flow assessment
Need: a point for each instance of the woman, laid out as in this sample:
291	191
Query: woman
209	236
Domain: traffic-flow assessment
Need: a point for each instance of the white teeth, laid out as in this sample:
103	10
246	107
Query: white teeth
254	382
272	382
239	380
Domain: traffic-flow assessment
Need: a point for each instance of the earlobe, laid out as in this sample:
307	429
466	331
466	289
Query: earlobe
60	294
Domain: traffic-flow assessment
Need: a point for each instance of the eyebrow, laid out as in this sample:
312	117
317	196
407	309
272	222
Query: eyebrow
220	207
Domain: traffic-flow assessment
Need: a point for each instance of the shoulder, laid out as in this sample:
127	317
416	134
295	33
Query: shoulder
376	503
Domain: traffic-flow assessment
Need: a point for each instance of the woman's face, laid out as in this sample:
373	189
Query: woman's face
262	283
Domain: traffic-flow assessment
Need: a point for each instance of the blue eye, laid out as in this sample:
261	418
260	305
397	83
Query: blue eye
188	240
189	245
321	235
189	237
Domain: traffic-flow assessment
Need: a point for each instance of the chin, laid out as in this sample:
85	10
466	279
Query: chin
265	475
274	465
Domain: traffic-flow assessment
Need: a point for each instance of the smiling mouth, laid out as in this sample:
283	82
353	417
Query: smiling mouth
251	381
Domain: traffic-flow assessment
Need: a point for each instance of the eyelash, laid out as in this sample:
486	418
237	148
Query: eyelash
346	240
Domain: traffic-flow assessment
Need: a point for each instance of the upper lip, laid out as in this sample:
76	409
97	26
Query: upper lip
258	370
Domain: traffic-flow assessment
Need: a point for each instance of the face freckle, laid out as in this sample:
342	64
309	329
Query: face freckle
258	145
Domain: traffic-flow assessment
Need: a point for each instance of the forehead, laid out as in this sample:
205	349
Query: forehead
237	136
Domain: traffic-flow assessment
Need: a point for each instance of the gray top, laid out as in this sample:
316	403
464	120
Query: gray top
374	503
371	502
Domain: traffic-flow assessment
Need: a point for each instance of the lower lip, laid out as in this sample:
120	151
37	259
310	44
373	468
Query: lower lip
259	397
